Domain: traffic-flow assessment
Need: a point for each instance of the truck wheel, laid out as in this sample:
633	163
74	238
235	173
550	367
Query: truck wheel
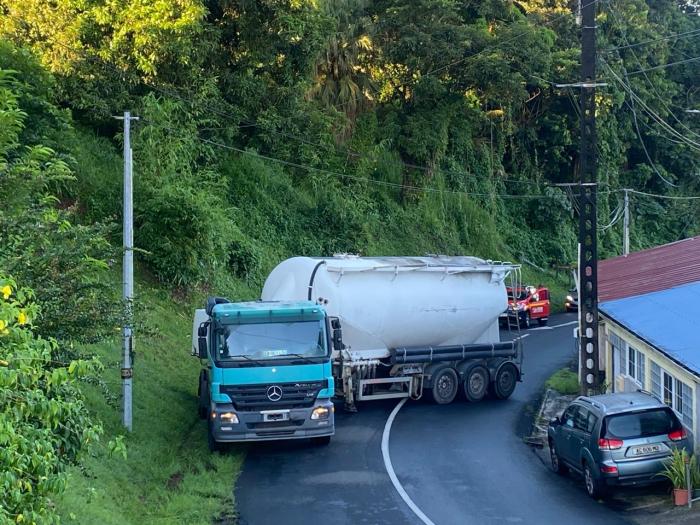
203	401
525	321
214	445
321	441
444	386
542	321
506	377
476	384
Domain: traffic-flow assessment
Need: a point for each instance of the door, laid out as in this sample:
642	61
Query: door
584	421
564	444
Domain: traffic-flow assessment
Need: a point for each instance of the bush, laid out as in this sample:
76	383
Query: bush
43	421
41	243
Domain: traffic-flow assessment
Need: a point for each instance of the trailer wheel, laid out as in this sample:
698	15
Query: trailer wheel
476	384
506	377
445	386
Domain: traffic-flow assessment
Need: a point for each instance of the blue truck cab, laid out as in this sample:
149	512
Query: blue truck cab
266	371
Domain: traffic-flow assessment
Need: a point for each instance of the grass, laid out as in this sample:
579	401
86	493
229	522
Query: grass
563	381
169	475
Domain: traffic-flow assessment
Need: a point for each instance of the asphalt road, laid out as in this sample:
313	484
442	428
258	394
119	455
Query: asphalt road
461	464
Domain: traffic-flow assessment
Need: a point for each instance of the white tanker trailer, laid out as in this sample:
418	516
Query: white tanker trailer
404	326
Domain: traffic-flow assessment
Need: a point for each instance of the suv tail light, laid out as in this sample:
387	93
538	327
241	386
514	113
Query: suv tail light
609	444
677	435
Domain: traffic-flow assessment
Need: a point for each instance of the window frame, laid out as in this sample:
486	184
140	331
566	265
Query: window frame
636	364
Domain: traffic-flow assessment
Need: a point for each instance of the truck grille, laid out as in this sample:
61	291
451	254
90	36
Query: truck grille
255	397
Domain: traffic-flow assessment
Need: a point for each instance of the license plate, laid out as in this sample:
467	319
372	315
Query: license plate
275	416
646	450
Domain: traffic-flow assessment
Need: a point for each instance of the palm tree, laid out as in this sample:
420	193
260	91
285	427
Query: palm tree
343	80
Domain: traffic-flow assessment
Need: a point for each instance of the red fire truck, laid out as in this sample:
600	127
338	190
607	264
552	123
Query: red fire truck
527	304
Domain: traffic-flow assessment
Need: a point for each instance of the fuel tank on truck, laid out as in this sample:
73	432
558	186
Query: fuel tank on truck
391	302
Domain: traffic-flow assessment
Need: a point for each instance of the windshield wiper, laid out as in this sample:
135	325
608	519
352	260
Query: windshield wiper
249	359
306	359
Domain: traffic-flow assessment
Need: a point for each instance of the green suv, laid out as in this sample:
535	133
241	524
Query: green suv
615	439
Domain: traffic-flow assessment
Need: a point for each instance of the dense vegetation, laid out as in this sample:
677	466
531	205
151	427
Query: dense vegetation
277	127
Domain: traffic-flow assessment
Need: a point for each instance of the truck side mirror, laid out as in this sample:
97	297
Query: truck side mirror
202	340
337	334
202	343
337	339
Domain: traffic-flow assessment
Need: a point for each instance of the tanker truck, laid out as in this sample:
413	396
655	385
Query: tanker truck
354	329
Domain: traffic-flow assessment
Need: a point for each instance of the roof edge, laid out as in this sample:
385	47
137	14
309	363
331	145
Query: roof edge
696	373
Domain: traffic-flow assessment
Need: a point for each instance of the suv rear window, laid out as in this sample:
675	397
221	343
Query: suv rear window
640	424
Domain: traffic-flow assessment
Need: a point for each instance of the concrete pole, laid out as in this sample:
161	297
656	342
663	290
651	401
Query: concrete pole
128	274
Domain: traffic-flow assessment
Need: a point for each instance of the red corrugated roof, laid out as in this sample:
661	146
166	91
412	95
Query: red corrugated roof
649	270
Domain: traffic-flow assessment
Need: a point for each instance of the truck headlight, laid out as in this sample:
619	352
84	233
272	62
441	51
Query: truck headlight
569	298
320	413
228	417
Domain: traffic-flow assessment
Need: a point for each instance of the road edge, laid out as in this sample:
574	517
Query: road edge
390	468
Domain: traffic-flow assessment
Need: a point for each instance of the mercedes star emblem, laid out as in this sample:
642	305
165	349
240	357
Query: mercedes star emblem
274	393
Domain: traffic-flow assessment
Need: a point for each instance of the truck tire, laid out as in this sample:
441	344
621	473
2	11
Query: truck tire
476	384
321	441
525	322
543	321
445	386
504	384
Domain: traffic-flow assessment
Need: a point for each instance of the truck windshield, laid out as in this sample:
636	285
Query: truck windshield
264	341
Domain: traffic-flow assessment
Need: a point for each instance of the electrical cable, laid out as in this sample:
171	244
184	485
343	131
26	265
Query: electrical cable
665	125
685	34
362	179
663	66
646	77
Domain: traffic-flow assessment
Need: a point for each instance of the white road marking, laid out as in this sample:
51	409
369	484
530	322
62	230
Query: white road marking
390	469
553	327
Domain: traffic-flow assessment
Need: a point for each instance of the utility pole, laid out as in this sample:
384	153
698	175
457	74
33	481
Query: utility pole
626	225
588	257
128	273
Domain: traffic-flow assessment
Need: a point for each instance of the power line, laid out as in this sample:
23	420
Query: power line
653	87
665	125
678	36
693	59
670	197
362	179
